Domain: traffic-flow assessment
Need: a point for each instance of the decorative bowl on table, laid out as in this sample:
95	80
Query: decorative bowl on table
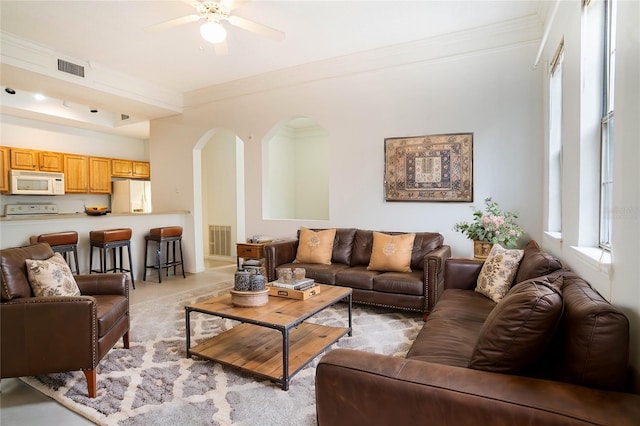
96	211
249	299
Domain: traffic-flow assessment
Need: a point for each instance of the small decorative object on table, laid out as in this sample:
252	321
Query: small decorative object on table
493	226
96	211
249	289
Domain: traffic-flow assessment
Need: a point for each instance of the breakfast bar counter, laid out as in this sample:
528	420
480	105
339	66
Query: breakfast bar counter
16	230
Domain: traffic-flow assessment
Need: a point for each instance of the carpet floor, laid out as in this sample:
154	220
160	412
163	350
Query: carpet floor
153	382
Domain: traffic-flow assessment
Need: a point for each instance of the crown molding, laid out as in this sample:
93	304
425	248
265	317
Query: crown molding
446	47
24	60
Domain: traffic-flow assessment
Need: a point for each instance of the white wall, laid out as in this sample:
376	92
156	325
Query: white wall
619	282
493	93
219	187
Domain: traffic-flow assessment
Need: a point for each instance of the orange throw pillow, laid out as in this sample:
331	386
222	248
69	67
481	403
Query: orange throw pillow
315	246
391	253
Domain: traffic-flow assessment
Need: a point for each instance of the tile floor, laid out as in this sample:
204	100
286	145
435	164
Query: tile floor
21	405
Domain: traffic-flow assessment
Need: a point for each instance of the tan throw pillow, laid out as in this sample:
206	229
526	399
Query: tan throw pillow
315	246
391	253
51	277
498	271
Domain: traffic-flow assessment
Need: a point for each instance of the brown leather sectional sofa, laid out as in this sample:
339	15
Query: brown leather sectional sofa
473	365
417	290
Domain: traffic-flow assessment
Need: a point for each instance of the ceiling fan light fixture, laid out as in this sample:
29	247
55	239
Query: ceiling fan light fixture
213	32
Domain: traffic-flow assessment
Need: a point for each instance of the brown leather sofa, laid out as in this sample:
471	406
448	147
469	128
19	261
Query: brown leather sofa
43	335
417	290
569	370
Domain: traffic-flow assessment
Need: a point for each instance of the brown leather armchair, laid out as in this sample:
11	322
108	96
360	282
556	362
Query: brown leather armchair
41	335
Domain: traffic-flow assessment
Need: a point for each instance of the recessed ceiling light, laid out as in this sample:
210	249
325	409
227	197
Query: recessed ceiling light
10	91
66	103
39	97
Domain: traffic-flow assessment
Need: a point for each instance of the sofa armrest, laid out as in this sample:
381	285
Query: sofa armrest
462	273
434	262
95	284
354	388
45	334
278	253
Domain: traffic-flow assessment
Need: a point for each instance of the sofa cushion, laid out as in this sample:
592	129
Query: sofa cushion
595	335
15	283
315	246
451	330
519	328
498	271
399	282
362	245
423	244
51	277
535	263
343	245
320	273
356	277
391	253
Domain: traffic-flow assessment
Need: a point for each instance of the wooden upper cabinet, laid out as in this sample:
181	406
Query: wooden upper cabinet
76	173
100	175
24	159
141	169
4	169
50	161
121	168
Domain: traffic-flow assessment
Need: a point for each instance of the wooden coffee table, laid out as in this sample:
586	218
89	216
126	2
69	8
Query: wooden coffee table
272	341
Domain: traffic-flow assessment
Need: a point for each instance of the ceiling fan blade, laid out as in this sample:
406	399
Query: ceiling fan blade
248	25
222	49
173	23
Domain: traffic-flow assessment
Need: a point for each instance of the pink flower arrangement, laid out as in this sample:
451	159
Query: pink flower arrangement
493	225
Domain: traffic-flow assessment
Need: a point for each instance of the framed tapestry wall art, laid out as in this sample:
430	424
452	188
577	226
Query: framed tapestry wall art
429	168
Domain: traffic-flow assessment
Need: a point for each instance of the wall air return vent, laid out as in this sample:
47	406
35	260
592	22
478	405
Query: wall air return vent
70	68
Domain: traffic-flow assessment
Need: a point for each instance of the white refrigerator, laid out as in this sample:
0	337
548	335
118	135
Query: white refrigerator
131	196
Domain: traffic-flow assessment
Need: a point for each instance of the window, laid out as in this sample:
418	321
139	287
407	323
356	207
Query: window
606	136
554	223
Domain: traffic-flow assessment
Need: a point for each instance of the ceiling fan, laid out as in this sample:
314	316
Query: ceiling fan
214	13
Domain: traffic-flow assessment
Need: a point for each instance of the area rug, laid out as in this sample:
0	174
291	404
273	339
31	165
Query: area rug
153	382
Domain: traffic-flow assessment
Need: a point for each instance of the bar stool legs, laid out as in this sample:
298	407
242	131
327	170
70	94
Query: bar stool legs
169	235
111	239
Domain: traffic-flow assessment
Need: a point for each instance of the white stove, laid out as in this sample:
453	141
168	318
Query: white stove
32	209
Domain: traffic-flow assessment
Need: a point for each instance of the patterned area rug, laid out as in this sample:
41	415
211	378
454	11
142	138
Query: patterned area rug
153	382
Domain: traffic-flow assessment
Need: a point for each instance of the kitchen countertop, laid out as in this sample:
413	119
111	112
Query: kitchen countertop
16	218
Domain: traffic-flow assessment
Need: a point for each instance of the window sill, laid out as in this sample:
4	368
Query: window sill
595	257
557	236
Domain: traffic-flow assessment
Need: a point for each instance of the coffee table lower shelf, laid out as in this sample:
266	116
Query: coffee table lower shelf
261	351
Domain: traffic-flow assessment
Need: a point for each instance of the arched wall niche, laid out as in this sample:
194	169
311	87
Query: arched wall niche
296	171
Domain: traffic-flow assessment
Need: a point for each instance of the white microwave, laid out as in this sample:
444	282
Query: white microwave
36	183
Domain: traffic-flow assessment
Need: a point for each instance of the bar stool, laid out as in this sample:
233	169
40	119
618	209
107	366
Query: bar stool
167	234
61	242
107	239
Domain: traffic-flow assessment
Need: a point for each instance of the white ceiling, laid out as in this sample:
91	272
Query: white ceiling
111	35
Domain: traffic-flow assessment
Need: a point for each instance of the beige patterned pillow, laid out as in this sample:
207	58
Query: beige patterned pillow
498	272
391	253
51	277
315	246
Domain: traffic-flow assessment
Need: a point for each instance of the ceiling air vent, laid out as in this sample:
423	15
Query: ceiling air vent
70	68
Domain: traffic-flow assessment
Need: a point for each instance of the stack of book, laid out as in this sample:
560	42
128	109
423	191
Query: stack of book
302	284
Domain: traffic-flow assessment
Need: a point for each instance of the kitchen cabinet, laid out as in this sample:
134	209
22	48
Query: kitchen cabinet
130	169
24	159
4	169
121	168
50	161
141	170
99	175
76	173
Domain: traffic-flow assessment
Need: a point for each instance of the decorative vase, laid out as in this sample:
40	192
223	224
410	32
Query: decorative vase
481	249
257	281
242	280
